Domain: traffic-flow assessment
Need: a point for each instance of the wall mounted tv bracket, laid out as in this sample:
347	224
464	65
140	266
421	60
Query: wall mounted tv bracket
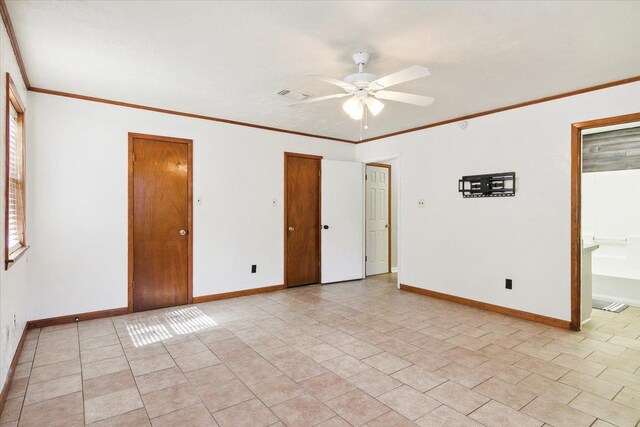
489	185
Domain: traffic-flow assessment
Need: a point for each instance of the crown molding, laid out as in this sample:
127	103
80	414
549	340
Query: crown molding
23	71
14	41
183	114
508	107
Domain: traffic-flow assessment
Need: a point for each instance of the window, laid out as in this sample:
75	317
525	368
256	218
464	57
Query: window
15	241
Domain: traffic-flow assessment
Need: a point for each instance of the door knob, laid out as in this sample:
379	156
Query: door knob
183	232
386	226
326	227
291	228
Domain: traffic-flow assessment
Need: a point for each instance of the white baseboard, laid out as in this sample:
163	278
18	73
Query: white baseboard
394	269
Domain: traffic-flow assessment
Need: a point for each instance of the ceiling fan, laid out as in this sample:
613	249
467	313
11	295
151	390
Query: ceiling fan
366	89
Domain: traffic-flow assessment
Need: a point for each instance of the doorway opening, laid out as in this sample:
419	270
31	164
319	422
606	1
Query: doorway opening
318	189
610	218
605	240
160	222
381	217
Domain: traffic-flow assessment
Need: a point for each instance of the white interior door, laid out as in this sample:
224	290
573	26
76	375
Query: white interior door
342	221
377	220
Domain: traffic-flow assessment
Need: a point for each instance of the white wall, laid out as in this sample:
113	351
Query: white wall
78	161
611	203
453	245
13	282
467	247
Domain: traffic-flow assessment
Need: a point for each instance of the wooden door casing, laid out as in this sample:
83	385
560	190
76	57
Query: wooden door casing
302	214
576	206
160	205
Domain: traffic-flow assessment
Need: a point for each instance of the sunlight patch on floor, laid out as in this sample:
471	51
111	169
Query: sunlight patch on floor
147	330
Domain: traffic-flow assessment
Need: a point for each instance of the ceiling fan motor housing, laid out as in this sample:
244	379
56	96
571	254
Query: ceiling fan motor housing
360	79
360	58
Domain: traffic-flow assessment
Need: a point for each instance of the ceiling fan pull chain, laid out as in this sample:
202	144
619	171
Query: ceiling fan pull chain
366	118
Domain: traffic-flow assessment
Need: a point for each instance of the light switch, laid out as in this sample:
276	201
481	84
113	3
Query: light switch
421	203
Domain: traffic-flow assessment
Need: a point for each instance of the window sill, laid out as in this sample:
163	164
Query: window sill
15	256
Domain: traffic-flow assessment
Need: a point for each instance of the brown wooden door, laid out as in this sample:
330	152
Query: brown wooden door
302	219
160	222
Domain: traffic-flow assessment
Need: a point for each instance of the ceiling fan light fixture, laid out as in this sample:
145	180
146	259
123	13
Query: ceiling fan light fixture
374	106
357	115
365	90
354	108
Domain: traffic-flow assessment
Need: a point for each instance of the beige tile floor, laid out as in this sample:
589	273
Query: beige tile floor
358	353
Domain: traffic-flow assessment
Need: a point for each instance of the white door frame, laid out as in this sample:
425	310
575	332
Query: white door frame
396	175
380	261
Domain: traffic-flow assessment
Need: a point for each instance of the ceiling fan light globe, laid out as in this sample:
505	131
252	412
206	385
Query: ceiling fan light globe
374	106
357	115
353	107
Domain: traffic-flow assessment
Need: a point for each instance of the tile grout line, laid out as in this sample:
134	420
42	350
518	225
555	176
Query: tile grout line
478	408
134	377
84	412
321	364
234	374
51	379
140	394
24	398
190	385
249	388
574	398
357	318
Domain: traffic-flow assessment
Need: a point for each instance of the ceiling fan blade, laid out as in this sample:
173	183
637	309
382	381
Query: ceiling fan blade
407	98
340	83
408	74
320	98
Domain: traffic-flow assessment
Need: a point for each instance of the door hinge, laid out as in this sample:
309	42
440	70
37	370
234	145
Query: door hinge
133	284
133	157
366	258
366	177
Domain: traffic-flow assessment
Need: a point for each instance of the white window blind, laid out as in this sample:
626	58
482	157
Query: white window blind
15	238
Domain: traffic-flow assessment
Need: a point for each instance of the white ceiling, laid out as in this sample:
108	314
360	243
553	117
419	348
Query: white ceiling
227	59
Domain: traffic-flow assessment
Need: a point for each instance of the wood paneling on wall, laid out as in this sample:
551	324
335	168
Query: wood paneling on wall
611	151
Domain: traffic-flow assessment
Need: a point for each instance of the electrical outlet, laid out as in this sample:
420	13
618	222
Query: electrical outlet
508	284
15	321
254	268
421	203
